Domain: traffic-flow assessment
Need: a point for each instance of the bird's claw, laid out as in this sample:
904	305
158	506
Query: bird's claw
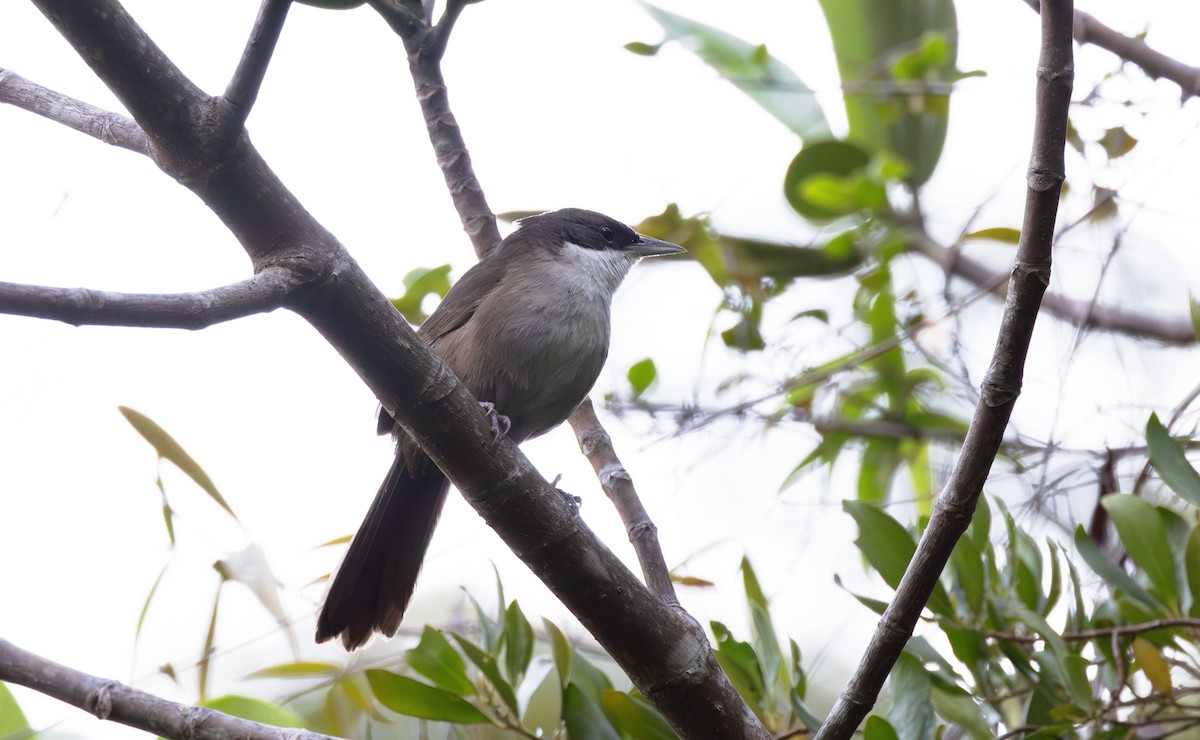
500	423
573	500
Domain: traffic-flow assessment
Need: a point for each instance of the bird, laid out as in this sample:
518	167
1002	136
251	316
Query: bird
526	330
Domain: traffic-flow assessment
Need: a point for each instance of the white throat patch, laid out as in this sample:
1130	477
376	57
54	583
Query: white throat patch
596	270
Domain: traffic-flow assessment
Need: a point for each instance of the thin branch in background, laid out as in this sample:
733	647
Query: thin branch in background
597	447
247	79
426	45
264	292
1082	313
112	700
111	128
1088	30
1001	385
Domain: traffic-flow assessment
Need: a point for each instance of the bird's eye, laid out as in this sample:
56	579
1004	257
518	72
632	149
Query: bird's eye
606	233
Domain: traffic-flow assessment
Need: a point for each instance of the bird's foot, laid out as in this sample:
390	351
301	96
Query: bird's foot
572	499
500	423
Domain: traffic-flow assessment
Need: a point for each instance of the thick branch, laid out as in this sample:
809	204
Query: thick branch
264	292
243	87
618	486
111	128
1088	30
112	700
662	649
1001	385
1081	313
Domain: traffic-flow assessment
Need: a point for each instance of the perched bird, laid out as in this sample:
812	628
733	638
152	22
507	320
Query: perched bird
526	330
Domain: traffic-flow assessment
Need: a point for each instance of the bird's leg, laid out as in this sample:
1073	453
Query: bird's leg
500	423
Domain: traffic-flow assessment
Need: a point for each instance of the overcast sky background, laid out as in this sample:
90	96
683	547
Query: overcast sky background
556	114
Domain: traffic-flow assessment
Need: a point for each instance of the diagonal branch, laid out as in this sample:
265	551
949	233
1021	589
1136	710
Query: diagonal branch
1081	313
264	292
597	447
243	87
112	700
1088	30
426	45
1001	385
111	128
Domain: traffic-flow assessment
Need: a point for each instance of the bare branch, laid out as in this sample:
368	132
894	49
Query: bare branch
425	47
1001	385
111	128
112	700
1088	30
597	446
252	67
264	292
1081	313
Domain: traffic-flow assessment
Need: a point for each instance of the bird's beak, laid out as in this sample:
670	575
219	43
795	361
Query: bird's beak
648	247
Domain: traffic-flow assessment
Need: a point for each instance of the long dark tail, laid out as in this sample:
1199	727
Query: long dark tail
375	581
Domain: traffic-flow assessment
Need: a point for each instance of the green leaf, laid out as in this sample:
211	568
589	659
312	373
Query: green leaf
1191	559
1167	457
827	161
255	710
966	568
1002	234
13	725
1145	538
740	663
437	660
1194	312
412	698
1150	660
962	710
419	284
912	710
1117	142
880	460
880	46
878	728
766	80
561	651
137	632
588	678
518	645
299	669
643	49
1110	571
584	718
168	449
486	663
642	375
633	718
543	710
888	547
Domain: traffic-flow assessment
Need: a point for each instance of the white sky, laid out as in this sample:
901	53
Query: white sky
556	114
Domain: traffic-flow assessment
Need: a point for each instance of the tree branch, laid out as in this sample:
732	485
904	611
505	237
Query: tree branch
1088	30
264	292
425	46
112	700
597	447
1081	313
111	128
243	87
1001	385
662	649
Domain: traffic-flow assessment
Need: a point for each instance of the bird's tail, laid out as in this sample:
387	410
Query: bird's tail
376	579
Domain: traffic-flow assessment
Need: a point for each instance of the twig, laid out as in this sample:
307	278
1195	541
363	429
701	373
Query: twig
111	128
425	46
1082	313
1119	630
597	447
264	292
247	79
1001	386
1088	30
112	700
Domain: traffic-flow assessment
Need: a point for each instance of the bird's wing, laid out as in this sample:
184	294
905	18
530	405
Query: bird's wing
463	300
